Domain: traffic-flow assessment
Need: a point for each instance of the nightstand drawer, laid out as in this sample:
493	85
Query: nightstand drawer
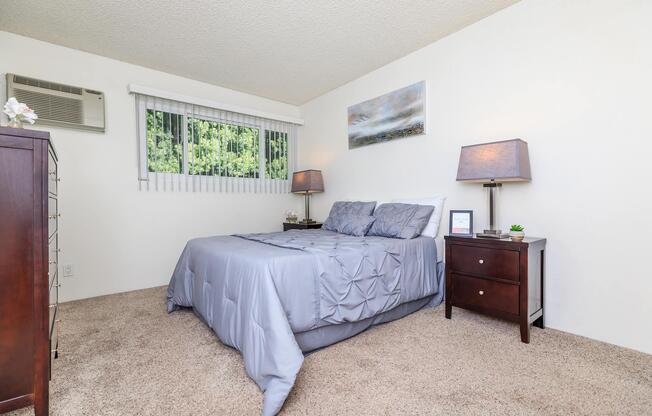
487	294
490	262
301	226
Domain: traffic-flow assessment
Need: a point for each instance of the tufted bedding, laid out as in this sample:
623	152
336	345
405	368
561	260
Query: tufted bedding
262	292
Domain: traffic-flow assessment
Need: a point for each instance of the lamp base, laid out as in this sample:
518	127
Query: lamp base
492	234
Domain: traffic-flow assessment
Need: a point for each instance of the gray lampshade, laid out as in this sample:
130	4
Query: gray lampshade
505	161
307	181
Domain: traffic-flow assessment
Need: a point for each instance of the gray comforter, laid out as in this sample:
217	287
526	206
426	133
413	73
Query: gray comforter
255	291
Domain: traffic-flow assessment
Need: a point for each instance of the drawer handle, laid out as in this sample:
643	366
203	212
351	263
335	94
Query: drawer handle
52	262
58	250
481	292
481	261
58	179
54	305
54	216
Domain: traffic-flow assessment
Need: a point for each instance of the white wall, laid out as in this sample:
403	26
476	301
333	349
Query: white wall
573	79
118	238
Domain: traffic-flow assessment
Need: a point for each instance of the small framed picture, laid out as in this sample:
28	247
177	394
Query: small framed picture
461	223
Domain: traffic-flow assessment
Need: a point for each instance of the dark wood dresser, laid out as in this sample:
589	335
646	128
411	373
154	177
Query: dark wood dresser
29	284
502	278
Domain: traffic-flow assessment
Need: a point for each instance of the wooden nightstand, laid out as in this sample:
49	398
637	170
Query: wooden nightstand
301	225
502	278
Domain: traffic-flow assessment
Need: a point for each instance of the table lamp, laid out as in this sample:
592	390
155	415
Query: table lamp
307	182
491	164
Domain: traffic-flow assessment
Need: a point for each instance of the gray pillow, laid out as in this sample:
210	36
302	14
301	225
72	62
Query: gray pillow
356	225
400	220
341	208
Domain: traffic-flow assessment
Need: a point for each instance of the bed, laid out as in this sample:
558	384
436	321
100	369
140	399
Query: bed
276	296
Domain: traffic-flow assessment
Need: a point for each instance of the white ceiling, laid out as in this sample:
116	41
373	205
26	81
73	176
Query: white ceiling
290	51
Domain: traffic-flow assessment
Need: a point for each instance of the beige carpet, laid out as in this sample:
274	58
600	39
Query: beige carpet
123	355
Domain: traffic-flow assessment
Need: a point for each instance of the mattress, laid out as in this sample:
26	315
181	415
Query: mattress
439	243
257	291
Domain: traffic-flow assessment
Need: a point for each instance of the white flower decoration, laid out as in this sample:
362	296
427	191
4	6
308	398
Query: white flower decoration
19	111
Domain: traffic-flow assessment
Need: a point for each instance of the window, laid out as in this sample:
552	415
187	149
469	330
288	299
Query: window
204	145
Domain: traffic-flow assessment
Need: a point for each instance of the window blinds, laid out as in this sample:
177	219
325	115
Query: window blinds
188	147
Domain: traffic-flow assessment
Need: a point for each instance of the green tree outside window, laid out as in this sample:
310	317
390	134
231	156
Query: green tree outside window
214	148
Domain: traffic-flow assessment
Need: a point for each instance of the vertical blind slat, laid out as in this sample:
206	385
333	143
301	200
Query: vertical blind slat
221	146
268	176
156	104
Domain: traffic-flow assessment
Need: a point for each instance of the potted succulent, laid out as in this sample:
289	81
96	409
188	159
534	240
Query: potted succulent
516	232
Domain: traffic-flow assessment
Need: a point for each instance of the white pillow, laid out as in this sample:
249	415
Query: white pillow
432	228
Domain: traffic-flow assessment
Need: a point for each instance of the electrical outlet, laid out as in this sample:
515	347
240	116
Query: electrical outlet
67	270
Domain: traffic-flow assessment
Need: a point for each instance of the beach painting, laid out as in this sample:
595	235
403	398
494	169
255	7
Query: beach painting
397	114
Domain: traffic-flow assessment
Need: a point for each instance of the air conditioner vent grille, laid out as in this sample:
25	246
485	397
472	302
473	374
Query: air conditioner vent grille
48	85
52	107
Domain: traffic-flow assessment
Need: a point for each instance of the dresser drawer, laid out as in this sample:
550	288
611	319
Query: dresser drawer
53	258
54	345
54	292
490	262
53	216
52	269
54	338
53	316
53	249
53	174
487	294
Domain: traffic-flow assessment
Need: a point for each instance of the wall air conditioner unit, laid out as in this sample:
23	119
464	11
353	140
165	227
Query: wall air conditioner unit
58	104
